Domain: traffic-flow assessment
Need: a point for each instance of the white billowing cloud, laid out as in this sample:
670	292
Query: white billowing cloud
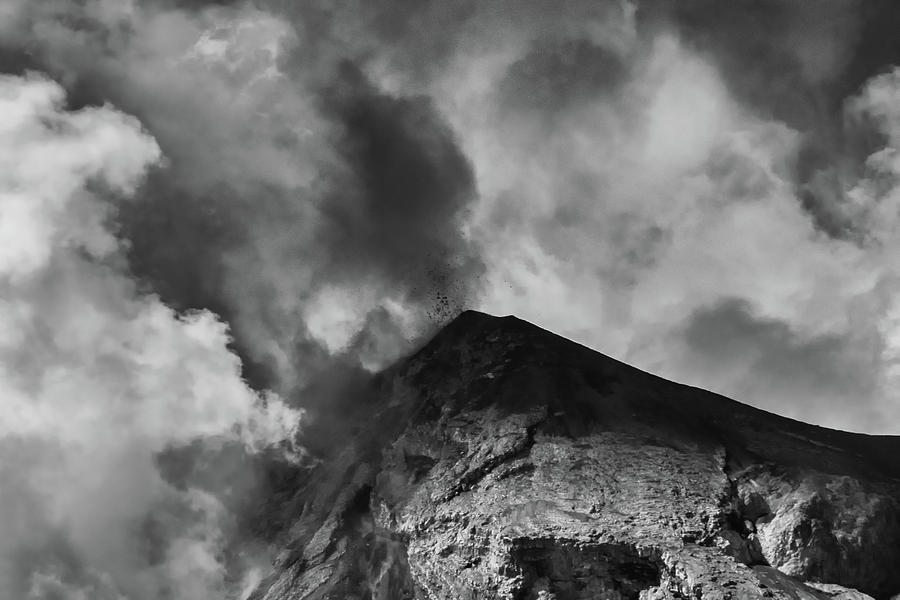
97	377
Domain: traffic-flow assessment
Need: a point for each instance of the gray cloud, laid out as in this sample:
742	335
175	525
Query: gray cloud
554	74
782	370
797	63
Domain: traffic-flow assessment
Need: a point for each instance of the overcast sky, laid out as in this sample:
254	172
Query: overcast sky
216	214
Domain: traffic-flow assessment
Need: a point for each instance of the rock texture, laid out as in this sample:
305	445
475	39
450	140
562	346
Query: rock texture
502	461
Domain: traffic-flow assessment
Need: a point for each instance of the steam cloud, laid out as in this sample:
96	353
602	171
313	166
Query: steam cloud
217	217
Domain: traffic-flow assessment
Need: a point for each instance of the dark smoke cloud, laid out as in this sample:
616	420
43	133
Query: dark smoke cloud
395	210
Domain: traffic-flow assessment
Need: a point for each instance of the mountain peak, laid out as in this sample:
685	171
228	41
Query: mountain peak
504	461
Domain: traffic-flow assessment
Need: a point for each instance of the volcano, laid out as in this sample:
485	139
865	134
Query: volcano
503	461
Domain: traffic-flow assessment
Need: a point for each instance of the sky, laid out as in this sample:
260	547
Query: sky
217	217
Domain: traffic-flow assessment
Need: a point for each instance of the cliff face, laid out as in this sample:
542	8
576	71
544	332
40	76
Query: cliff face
502	461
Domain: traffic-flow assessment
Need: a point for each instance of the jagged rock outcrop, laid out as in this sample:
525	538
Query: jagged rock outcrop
502	461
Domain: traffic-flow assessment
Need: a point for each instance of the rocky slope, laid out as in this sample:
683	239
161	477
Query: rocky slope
502	461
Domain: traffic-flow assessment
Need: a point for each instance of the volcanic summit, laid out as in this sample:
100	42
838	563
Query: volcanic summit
501	461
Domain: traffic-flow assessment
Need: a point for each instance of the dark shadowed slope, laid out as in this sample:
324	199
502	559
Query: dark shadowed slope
594	391
503	461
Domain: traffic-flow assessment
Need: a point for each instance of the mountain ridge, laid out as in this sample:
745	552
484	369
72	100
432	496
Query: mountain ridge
882	446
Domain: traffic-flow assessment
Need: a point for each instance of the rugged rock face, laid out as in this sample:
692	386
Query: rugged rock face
502	461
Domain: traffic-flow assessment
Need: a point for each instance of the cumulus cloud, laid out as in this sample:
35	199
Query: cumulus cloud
98	377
